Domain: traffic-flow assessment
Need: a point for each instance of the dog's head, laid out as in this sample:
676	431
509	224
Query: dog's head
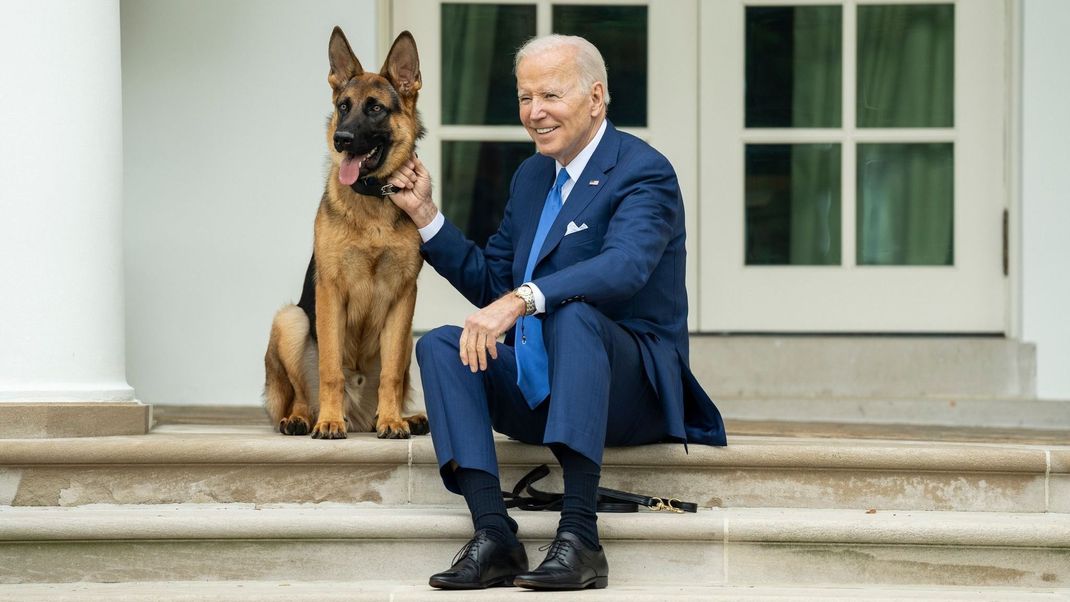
374	127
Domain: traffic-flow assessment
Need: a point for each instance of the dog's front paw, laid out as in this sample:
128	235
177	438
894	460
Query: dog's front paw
294	425
392	429
329	429
418	424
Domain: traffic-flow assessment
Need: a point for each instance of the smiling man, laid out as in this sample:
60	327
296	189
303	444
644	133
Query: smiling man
585	277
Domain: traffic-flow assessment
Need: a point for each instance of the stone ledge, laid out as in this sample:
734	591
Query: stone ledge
1060	460
948	411
45	420
259	445
325	542
370	522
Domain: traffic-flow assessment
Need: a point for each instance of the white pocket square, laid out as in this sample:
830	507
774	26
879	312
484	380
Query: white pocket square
572	228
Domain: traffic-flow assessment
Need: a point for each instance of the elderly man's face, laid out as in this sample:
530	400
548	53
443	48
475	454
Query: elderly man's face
558	113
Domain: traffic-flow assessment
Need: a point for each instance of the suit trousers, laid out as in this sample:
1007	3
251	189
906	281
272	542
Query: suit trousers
599	393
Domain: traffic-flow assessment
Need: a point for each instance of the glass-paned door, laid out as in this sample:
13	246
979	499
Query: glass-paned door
468	103
852	166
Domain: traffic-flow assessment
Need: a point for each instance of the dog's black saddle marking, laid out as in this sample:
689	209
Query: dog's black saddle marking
308	297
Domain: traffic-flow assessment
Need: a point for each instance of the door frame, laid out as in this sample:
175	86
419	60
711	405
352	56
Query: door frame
818	299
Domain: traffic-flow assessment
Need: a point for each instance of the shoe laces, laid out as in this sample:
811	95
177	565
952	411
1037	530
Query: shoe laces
558	549
471	548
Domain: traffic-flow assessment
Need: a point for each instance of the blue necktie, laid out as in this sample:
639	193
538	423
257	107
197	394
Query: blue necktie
531	370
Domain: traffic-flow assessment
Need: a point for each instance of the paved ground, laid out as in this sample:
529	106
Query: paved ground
283	591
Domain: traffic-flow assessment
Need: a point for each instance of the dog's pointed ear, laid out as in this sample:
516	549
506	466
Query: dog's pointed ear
344	64
402	66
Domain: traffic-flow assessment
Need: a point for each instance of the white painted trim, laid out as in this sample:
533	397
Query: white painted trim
1013	162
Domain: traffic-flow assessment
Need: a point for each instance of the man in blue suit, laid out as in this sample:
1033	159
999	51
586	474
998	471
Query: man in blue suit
585	277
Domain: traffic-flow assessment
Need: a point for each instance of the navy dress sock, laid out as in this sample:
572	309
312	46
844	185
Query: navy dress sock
483	493
580	504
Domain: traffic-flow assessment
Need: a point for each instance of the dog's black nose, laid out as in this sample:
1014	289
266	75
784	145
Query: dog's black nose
342	141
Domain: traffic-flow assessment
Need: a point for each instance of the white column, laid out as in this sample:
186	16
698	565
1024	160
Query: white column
61	251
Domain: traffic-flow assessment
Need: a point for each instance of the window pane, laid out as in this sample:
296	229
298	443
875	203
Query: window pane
906	65
906	209
476	178
620	34
793	66
478	44
792	204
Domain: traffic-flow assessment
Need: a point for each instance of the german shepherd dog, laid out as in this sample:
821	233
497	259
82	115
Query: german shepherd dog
338	361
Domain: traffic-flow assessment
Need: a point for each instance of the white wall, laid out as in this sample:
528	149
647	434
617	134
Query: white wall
1046	192
225	105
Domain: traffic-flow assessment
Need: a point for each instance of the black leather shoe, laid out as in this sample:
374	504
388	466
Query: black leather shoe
569	564
483	562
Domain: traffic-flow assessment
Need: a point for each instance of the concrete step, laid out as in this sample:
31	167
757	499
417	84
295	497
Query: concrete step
923	380
383	591
766	547
864	367
1043	414
816	367
877	418
251	464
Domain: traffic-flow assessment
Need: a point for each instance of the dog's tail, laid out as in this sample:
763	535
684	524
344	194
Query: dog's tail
284	361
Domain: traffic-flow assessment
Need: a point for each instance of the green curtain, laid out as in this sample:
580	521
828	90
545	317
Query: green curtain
815	168
905	209
906	79
467	60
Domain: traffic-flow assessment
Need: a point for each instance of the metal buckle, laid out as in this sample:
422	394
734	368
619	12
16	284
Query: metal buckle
387	190
666	505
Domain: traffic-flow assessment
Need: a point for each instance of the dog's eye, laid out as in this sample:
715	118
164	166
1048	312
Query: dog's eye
344	107
375	108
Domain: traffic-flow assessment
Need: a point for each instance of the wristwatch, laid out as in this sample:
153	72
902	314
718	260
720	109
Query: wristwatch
528	296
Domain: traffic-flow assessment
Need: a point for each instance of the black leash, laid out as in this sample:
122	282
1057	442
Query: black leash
609	500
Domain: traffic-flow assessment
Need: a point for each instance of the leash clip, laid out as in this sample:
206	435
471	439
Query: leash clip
666	505
387	190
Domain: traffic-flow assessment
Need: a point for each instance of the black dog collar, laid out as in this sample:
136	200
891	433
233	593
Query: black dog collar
370	186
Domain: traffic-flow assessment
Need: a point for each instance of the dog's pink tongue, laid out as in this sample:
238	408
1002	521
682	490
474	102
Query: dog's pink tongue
349	170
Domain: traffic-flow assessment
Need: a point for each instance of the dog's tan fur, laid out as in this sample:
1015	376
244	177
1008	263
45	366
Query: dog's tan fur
367	258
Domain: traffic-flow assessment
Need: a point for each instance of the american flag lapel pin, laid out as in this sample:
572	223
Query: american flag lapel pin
593	183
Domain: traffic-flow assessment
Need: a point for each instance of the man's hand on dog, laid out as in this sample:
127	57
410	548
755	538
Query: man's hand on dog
481	330
413	194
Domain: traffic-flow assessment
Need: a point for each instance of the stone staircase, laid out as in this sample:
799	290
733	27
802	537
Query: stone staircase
213	505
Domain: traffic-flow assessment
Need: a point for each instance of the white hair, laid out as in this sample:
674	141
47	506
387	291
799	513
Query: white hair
589	64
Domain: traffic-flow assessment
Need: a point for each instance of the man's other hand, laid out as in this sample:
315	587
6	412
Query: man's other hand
413	195
482	329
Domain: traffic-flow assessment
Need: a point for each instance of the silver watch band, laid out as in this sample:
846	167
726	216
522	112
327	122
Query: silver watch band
525	293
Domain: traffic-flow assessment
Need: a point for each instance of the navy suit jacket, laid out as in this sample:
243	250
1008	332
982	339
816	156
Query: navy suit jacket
628	263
